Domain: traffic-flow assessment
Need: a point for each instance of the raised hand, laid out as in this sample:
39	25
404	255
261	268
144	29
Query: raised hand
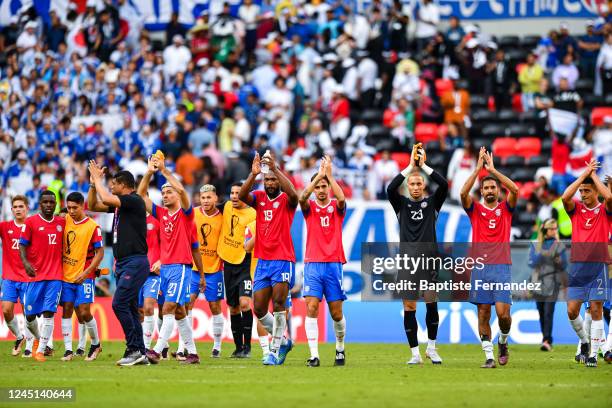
488	158
95	172
421	156
328	166
256	166
322	167
481	158
592	167
152	164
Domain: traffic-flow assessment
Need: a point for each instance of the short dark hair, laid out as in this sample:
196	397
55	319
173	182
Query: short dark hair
314	176
126	178
588	180
489	177
76	197
48	193
236	184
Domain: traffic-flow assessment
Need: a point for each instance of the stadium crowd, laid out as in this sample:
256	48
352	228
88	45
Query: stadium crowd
300	79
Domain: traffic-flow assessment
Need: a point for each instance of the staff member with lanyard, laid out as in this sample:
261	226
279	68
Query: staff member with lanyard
129	250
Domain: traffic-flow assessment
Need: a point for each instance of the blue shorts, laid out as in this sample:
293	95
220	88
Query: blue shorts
214	285
13	290
150	289
42	296
324	279
588	281
174	286
491	274
270	273
78	293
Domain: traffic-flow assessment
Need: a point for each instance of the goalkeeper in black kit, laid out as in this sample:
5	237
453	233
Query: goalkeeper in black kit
417	214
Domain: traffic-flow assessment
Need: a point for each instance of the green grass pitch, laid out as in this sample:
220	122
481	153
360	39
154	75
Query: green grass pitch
376	376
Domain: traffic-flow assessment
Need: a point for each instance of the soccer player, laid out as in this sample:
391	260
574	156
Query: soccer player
40	250
588	275
491	222
83	252
147	300
274	275
236	270
177	254
14	278
324	258
208	222
417	215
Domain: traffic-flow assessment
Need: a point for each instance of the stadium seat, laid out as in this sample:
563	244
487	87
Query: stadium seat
372	116
443	85
433	146
481	142
538	161
508	116
516	54
529	42
546	145
385	144
401	158
517	129
479	101
521	203
438	161
426	132
598	114
515	162
483	115
493	130
584	85
527	189
508	41
528	147
529	117
524	174
504	147
526	218
608	99
591	101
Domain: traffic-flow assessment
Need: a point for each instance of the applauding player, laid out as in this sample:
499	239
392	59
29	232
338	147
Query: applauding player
491	223
147	299
178	251
324	258
588	275
275	271
417	215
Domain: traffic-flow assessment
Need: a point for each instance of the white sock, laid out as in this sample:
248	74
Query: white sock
13	326
159	325
278	329
82	336
92	329
187	335
46	333
29	337
503	337
264	342
148	326
597	334
487	347
415	351
268	322
218	323
67	333
312	333
587	324
50	341
431	344
164	333
609	340
340	330
578	326
32	328
181	343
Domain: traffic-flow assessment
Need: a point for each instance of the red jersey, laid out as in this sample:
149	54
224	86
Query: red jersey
590	233
491	226
44	241
324	232
176	235
273	223
12	267
152	240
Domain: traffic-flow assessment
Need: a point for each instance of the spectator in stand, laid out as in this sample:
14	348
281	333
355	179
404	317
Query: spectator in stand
455	32
567	98
249	14
109	35
176	57
385	169
427	20
588	49
547	51
340	114
456	105
603	67
368	73
566	70
55	32
530	76
460	167
500	80
174	28
601	137
565	44
561	149
200	44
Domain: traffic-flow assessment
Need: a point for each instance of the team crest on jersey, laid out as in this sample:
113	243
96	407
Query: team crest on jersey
596	211
262	204
276	204
330	209
497	212
424	204
150	227
10	231
318	210
59	228
164	218
41	228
